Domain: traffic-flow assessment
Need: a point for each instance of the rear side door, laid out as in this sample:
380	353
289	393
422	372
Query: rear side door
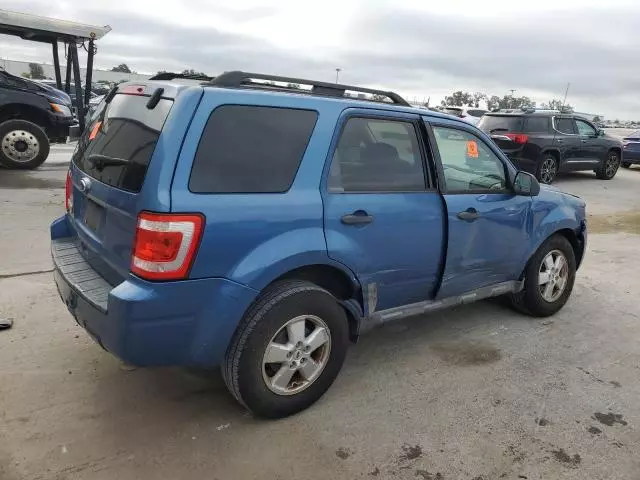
568	142
489	227
593	149
383	217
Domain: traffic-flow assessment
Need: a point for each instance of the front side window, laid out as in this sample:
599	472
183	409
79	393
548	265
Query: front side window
585	129
469	164
375	155
565	125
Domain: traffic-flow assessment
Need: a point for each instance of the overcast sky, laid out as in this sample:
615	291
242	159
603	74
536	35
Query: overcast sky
416	47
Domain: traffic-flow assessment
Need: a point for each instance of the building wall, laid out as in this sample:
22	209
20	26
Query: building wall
18	68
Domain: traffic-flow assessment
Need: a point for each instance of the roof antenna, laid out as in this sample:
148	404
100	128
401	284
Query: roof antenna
564	101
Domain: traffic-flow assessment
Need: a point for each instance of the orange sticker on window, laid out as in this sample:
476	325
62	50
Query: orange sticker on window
94	130
472	149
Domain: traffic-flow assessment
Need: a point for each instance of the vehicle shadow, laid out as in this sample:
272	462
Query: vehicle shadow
31	179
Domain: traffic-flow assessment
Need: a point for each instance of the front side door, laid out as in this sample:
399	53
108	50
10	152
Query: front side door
382	217
593	150
488	226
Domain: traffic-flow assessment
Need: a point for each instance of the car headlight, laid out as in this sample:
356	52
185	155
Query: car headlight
61	109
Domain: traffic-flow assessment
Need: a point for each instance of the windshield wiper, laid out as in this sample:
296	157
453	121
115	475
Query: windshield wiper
101	161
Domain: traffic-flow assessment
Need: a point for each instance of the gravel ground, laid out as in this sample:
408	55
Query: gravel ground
478	392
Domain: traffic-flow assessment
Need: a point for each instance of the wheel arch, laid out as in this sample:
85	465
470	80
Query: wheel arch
29	113
577	241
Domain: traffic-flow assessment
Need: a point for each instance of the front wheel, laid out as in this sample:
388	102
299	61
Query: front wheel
288	349
23	145
548	278
610	166
625	165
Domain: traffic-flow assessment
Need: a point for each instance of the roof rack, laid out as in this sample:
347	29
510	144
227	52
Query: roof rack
185	76
238	79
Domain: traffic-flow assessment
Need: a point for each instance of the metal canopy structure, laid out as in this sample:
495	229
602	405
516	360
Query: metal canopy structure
52	31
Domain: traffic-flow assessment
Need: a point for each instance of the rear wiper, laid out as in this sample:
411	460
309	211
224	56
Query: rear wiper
498	130
101	161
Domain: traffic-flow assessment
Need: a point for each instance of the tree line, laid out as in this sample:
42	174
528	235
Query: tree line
494	102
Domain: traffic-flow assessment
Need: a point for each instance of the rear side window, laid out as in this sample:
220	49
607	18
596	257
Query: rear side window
565	125
537	125
117	145
251	149
500	123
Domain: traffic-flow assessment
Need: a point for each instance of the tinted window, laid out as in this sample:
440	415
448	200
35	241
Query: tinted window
250	149
377	156
564	125
500	123
125	133
585	129
469	164
537	125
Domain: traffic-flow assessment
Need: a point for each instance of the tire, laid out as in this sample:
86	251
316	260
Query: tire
610	166
251	381
531	299
625	164
547	170
18	134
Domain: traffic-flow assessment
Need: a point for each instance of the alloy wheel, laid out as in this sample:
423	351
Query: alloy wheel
553	275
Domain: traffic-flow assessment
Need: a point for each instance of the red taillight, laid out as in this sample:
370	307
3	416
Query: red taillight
165	245
68	192
520	138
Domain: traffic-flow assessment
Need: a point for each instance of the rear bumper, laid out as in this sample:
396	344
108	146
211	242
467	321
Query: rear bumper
187	323
631	156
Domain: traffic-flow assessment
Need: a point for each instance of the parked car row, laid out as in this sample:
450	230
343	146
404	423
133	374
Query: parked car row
260	228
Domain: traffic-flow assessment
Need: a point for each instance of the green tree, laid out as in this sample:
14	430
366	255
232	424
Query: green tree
36	71
463	99
122	68
508	101
556	104
191	71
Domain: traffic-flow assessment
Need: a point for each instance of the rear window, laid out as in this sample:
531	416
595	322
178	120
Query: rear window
250	149
537	125
500	123
117	145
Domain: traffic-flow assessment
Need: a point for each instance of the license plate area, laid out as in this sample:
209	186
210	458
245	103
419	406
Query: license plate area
93	215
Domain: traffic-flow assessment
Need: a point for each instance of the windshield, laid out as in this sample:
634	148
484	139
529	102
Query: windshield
500	123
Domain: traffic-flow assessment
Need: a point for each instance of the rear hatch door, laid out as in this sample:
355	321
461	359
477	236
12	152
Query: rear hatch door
503	129
109	168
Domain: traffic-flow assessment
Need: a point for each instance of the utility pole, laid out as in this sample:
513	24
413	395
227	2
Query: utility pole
338	70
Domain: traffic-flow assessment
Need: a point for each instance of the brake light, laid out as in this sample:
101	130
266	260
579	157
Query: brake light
519	138
132	90
165	245
68	192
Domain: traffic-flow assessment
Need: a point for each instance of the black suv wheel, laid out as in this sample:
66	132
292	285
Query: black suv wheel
547	169
610	166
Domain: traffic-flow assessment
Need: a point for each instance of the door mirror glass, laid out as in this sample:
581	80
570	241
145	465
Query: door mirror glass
526	184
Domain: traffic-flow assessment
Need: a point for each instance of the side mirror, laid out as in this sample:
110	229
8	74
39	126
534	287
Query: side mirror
601	133
526	184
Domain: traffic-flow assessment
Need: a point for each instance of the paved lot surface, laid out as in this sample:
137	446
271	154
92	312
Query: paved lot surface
478	392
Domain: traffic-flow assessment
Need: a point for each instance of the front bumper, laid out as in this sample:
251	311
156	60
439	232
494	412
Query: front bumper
59	127
186	323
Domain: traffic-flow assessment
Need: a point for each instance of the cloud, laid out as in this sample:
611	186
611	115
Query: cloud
423	50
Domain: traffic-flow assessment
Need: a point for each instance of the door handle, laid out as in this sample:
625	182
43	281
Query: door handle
583	141
359	217
469	215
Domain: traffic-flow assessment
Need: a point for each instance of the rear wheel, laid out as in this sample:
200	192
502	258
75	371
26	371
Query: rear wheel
548	169
23	145
548	278
610	166
288	349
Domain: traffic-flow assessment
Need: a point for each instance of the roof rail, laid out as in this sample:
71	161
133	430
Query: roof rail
240	79
185	76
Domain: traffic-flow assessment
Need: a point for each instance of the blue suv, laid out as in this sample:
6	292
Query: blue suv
261	223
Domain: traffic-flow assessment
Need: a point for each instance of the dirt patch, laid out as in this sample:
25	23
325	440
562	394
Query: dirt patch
594	430
467	354
429	476
410	452
343	453
628	222
609	419
568	460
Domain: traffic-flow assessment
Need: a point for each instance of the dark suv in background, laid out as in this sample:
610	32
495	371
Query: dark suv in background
546	143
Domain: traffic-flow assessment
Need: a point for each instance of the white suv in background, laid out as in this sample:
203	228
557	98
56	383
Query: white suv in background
468	114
